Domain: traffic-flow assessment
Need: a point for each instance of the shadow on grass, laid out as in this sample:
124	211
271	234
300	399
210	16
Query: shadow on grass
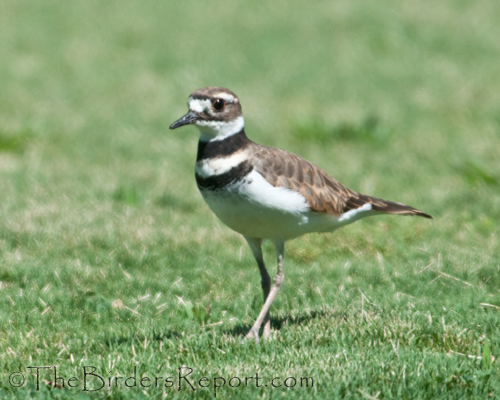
117	340
277	323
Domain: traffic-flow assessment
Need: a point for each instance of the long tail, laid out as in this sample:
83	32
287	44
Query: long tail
389	207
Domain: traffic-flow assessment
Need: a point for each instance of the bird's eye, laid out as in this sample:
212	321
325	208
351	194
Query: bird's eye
219	104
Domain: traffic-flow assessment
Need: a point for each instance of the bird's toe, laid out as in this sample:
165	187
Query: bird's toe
253	334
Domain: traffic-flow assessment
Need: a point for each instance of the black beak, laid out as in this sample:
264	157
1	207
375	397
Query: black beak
187	119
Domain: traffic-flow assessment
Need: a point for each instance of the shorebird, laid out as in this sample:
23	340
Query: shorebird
265	193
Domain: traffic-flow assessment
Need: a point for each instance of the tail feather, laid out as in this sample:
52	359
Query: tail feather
389	207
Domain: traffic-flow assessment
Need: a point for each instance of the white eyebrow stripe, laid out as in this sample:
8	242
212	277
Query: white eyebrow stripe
226	96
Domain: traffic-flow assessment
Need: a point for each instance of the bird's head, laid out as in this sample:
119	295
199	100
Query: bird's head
215	111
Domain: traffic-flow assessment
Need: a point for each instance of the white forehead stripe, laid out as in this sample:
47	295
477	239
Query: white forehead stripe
199	105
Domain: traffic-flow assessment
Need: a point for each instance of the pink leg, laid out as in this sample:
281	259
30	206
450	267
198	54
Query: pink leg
269	295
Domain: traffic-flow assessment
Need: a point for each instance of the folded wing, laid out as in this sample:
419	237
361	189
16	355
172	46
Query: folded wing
323	193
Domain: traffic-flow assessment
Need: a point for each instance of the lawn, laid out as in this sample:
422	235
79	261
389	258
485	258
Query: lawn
111	264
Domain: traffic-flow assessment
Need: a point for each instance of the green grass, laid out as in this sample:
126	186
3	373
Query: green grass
109	257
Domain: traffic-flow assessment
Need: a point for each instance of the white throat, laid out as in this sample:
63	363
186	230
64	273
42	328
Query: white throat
219	130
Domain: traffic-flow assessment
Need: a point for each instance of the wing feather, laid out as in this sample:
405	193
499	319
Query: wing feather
323	193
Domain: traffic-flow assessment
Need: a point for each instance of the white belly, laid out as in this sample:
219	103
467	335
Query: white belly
257	209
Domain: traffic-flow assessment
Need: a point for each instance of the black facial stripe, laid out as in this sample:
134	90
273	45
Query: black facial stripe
222	148
234	175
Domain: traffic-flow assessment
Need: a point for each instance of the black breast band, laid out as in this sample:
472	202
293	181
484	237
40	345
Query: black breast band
222	148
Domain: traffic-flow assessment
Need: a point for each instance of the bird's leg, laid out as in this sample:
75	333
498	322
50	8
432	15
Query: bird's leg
277	282
255	245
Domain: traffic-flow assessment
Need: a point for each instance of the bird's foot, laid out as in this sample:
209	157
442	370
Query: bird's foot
253	334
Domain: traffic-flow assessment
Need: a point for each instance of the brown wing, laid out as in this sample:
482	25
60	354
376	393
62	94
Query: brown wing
322	192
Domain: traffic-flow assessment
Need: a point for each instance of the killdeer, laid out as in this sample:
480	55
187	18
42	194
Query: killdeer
267	193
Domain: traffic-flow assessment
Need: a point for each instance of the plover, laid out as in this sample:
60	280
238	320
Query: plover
267	193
